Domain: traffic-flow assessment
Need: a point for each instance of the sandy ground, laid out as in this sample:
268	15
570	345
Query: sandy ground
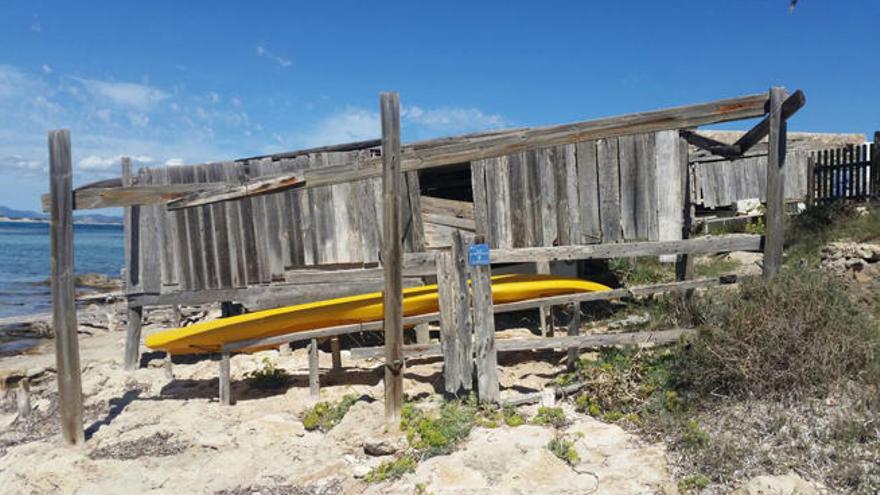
148	434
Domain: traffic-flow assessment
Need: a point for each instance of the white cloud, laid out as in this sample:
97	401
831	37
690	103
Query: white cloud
174	162
20	163
94	162
133	95
37	27
451	118
46	69
351	124
264	52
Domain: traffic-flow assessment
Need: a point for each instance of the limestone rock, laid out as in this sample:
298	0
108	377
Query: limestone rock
386	445
786	484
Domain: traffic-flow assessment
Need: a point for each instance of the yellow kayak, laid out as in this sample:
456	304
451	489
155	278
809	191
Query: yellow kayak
210	335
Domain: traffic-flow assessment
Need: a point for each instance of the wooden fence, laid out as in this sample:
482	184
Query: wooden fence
845	174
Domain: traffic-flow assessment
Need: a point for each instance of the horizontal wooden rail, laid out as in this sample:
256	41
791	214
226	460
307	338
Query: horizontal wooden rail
229	192
479	146
700	245
541	343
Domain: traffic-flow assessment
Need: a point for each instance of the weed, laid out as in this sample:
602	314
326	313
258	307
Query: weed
550	416
437	434
511	417
641	271
693	483
267	377
563	448
325	415
391	470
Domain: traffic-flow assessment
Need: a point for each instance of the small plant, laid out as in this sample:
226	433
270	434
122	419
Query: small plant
550	416
438	434
325	415
640	271
694	436
267	377
563	448
391	470
511	417
692	483
756	227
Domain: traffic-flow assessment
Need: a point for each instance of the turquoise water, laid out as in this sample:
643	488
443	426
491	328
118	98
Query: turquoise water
24	261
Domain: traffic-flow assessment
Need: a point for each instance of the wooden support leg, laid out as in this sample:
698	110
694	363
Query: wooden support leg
225	379
63	297
423	334
392	254
23	397
774	219
133	337
336	353
574	328
484	335
169	372
314	379
456	329
545	313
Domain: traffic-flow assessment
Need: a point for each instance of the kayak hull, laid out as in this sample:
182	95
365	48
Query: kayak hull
209	336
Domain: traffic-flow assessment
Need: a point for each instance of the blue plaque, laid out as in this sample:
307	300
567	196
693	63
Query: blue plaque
478	254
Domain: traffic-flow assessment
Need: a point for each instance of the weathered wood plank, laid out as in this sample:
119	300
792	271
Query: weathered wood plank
481	203
774	218
700	245
455	318
63	303
314	372
230	192
547	163
225	379
588	193
485	358
609	190
626	152
668	187
392	256
646	193
790	106
131	227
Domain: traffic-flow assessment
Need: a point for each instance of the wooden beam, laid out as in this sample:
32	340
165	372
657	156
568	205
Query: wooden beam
789	107
230	192
314	371
392	256
225	379
63	294
700	245
710	145
544	343
467	148
774	218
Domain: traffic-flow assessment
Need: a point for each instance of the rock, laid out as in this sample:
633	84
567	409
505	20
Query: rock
514	333
786	484
746	206
360	470
156	363
380	446
630	321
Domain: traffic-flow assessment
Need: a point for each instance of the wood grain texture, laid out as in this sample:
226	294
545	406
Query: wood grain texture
67	360
485	356
774	218
609	190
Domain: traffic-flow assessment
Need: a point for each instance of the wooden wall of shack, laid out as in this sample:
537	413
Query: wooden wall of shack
256	240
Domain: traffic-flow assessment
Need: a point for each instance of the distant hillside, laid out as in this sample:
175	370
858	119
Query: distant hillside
12	213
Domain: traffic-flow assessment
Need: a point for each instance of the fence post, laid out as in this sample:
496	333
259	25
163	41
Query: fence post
63	302
875	166
775	214
811	180
486	362
131	219
392	256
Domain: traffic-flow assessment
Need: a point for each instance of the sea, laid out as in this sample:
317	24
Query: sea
24	261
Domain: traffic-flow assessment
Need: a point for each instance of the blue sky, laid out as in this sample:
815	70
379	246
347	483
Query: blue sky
185	82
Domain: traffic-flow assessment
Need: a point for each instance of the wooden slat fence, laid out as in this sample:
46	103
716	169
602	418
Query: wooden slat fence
844	174
721	183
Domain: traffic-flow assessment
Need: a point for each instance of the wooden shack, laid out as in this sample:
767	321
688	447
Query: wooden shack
377	215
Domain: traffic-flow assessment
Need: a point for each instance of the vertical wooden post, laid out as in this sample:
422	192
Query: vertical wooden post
545	313
63	302
486	361
423	333
774	218
23	397
684	265
392	256
314	376
133	337
335	353
810	200
225	379
177	316
875	167
131	218
574	328
456	330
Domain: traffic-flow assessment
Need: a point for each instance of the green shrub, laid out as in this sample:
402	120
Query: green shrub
511	417
798	333
550	416
641	271
437	434
806	233
267	377
325	415
692	483
563	448
391	470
